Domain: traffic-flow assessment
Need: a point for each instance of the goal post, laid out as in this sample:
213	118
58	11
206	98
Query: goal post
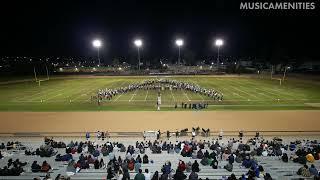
37	80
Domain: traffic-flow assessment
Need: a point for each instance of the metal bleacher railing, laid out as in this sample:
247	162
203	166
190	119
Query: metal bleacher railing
181	134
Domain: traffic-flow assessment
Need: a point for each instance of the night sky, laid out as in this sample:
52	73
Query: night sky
66	28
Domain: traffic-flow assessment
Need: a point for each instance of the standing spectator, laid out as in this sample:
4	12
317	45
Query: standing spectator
147	175
139	176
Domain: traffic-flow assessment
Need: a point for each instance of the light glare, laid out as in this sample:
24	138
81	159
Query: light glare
138	42
96	43
179	42
219	42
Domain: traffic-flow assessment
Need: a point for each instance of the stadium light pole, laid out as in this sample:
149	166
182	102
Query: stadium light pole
179	43
218	43
138	44
284	73
97	44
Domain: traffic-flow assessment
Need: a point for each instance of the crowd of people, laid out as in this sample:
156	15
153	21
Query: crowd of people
205	153
160	84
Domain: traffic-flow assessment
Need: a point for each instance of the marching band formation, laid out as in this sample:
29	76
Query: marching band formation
160	84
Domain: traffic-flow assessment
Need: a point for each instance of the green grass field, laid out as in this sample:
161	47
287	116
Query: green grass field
240	93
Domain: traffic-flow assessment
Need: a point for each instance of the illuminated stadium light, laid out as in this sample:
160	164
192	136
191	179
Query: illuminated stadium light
97	44
138	43
219	42
179	43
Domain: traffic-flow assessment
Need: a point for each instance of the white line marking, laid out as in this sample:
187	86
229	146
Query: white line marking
133	95
145	99
52	97
186	95
174	99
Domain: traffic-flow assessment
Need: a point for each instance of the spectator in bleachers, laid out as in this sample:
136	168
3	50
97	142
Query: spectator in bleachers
200	154
313	170
179	175
137	166
181	165
195	166
35	167
147	175
45	167
1	155
2	146
267	177
193	176
247	162
120	175
131	164
71	168
138	159
284	157
155	176
110	173
126	175
102	164
139	175
214	163
304	171
145	159
96	164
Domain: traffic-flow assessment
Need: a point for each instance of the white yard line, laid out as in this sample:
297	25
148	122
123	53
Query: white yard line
244	92
186	95
52	97
133	95
145	99
238	95
174	99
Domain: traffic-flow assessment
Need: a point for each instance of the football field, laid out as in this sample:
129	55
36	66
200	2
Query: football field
240	93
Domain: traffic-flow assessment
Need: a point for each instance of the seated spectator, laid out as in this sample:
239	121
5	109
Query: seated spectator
138	159
2	146
195	166
102	164
155	176
204	161
139	175
179	175
110	173
313	170
137	166
304	171
228	167
181	166
145	159
267	177
310	158
45	167
247	162
284	157
131	165
35	167
189	166
96	164
1	155
71	168
193	176
214	163
200	154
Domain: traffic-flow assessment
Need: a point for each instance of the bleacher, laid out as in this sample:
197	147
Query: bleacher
273	165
